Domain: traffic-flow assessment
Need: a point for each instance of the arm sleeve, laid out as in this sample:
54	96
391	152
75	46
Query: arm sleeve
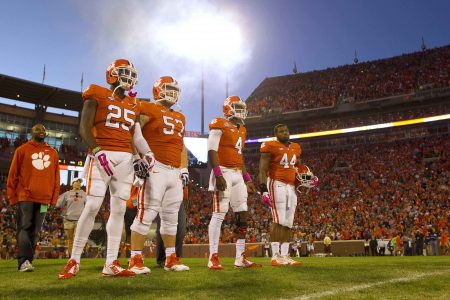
13	177
61	200
139	141
214	139
57	181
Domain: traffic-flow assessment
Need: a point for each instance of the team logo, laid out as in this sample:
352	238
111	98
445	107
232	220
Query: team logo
40	160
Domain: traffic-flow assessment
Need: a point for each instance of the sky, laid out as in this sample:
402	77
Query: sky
80	36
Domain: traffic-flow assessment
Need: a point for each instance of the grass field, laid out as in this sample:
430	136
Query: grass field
324	278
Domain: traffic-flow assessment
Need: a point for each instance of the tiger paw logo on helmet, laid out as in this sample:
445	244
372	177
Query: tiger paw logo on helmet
40	160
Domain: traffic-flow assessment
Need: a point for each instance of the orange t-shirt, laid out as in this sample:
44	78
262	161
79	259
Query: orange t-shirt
113	119
283	160
164	132
231	142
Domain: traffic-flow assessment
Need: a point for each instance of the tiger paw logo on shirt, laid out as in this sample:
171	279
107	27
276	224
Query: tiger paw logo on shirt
40	160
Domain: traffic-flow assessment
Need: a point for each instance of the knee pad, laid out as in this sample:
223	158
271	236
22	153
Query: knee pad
139	227
169	222
240	220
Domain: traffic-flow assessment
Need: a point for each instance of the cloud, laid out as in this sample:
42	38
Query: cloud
160	38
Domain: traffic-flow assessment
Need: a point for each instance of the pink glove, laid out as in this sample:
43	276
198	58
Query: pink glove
266	199
314	181
104	162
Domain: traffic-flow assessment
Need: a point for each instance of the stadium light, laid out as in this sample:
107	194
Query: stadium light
355	129
204	37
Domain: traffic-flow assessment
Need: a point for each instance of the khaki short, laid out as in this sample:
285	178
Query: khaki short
68	224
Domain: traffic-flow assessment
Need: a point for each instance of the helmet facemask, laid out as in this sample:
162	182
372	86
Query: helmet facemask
238	110
169	92
126	76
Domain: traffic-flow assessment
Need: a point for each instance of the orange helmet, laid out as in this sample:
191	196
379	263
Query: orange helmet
166	88
234	107
123	72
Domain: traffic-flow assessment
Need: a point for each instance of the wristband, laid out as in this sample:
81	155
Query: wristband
263	188
96	149
136	156
247	177
217	171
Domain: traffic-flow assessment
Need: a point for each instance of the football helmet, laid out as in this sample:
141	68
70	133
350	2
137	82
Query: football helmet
234	107
123	72
166	88
305	178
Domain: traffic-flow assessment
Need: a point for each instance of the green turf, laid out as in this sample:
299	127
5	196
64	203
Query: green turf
316	277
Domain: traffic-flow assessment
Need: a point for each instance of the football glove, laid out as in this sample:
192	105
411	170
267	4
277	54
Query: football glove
141	169
184	174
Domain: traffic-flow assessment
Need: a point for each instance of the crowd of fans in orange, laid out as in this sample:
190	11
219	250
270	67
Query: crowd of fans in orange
382	190
353	83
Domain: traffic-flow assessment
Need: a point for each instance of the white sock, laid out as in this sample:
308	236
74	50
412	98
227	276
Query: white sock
275	248
284	248
85	225
240	247
214	232
169	251
135	252
114	228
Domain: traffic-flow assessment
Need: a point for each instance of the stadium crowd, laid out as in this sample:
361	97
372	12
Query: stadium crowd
382	190
392	190
353	83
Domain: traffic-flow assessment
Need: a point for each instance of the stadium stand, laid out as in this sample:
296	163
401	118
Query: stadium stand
360	82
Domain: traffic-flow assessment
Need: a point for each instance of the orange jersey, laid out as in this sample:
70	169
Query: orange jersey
164	133
283	160
231	142
113	119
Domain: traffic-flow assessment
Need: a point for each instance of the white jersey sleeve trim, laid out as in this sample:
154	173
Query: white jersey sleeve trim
214	139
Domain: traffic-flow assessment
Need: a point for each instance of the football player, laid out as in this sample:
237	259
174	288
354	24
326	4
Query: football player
163	129
229	182
279	160
107	127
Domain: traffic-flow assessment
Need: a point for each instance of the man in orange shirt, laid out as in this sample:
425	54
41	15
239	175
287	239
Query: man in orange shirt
229	180
33	183
278	167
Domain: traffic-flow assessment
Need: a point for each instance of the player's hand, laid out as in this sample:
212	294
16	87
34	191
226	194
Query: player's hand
266	199
251	189
221	184
141	169
105	164
184	174
149	157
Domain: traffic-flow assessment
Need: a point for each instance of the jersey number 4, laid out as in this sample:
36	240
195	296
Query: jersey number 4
115	113
284	161
238	145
